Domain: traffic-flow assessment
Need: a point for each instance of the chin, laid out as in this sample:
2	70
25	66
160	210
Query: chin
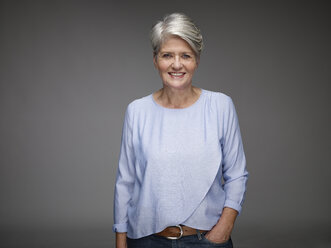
179	86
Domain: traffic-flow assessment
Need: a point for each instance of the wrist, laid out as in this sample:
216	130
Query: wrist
229	215
121	237
227	219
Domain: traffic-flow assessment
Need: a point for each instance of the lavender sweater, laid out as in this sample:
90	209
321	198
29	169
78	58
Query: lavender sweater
172	162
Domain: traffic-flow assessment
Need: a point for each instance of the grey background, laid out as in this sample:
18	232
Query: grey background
69	68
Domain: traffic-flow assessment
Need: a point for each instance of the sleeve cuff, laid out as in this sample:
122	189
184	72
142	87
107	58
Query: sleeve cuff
234	205
120	227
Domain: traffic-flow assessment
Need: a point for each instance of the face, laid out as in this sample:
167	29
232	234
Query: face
176	63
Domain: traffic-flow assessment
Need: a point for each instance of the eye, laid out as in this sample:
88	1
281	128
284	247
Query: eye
186	56
166	55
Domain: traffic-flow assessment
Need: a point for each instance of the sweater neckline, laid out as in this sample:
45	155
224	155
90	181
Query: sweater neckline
178	109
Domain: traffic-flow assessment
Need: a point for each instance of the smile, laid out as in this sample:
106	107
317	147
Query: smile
176	74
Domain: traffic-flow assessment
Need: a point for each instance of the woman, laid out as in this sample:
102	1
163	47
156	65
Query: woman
177	145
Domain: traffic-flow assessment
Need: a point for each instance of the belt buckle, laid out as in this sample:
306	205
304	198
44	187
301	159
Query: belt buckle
180	235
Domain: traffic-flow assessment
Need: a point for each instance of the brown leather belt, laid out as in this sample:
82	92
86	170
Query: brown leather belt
176	232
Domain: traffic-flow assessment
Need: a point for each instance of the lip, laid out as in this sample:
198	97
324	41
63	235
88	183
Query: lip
176	74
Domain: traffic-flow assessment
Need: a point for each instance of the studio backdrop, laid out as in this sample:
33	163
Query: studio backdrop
68	70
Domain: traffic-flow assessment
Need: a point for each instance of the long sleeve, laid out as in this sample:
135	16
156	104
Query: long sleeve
125	177
234	163
171	163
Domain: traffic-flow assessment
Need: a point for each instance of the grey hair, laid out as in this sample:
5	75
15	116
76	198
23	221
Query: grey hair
176	24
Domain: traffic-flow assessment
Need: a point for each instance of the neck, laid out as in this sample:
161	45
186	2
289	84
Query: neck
177	98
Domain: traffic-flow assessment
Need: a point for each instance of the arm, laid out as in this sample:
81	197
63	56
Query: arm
121	240
124	183
234	175
221	232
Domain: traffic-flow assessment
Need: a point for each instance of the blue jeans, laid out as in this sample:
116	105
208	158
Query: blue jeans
191	241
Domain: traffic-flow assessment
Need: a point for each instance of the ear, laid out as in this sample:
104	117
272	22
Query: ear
197	61
154	60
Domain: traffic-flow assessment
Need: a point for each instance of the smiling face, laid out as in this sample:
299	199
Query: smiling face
176	63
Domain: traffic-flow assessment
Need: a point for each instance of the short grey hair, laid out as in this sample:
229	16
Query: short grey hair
180	25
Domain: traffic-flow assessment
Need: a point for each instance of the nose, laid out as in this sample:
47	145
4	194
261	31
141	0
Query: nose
177	64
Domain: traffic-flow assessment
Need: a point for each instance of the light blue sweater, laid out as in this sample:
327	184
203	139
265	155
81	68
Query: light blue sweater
172	162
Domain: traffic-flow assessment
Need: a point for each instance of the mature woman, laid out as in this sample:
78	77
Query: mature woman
178	143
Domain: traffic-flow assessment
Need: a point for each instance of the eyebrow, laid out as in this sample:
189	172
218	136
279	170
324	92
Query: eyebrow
173	52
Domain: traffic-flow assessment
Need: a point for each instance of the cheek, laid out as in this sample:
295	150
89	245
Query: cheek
192	68
162	67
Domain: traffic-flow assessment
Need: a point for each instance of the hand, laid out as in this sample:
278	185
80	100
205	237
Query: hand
121	240
221	232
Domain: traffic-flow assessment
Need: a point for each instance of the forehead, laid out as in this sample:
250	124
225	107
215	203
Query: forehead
175	44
